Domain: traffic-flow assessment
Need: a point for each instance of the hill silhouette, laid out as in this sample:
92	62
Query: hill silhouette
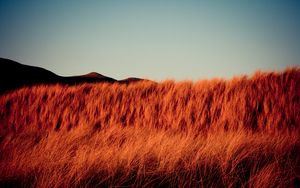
14	75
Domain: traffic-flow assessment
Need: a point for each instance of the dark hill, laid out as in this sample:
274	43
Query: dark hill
130	80
14	75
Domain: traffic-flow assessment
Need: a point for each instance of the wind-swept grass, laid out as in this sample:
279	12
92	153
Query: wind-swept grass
242	132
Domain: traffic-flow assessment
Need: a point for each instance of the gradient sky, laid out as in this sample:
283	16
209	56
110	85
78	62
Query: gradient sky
152	39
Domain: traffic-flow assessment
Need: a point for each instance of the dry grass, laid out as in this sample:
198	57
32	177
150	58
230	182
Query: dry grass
238	133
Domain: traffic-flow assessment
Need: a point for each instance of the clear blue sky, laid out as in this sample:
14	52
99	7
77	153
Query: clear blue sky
155	39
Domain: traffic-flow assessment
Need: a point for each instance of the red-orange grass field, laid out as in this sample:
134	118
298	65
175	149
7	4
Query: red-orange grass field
242	132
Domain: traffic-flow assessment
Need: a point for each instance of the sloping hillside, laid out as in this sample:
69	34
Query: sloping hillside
14	75
265	101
